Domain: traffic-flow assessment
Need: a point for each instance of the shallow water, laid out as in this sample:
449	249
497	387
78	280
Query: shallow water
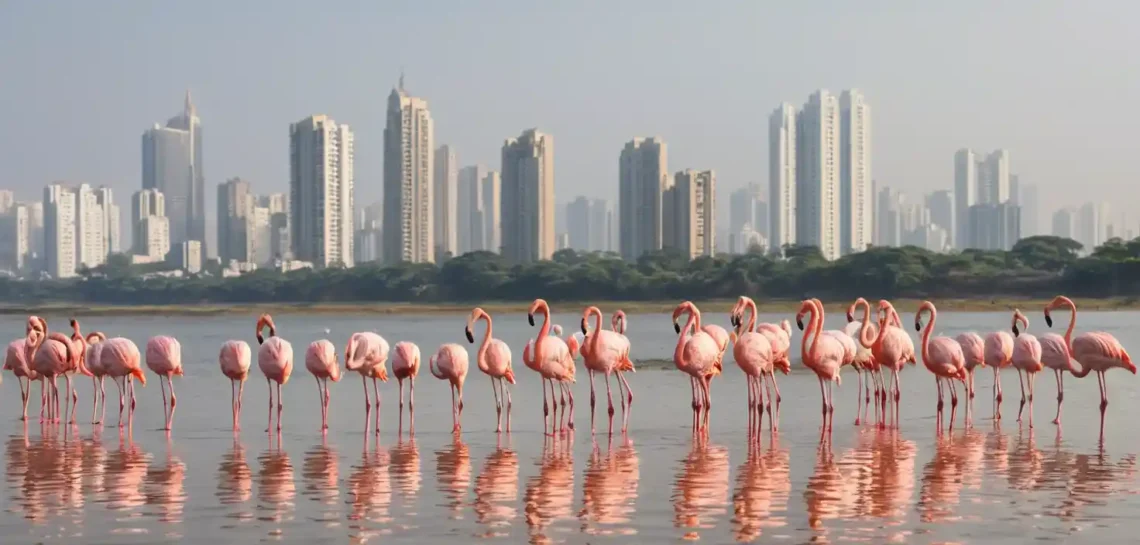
204	485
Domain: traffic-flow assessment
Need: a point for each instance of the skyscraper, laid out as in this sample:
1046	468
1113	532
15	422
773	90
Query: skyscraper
408	179
60	260
493	212
965	195
782	177
1030	213
941	205
690	213
15	236
172	164
150	224
321	191
1064	223
95	217
994	178
856	222
818	196
471	225
444	197
528	197
643	178
235	206
586	221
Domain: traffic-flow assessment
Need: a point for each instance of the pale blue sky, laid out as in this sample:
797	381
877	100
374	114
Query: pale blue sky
1055	82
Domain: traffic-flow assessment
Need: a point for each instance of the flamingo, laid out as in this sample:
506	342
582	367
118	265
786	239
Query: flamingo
406	365
844	338
320	360
552	358
51	355
450	363
892	349
942	356
94	364
998	354
824	356
164	357
1055	355
864	332
1027	359
77	366
1094	351
234	359
494	360
974	350
696	354
367	353
275	359
120	357
16	361
753	353
618	323
780	338
604	352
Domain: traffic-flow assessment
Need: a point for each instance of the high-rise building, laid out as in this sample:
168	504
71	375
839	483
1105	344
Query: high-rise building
599	228
471	221
1030	211
965	194
408	170
321	181
856	197
986	181
528	197
235	206
93	220
444	199
889	216
172	164
782	177
493	212
690	213
7	200
941	206
586	221
1087	229
60	259
743	208
15	237
643	178
150	224
994	226
1064	223
818	196
994	178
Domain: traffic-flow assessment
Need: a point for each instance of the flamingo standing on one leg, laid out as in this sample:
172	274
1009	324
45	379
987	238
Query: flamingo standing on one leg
164	357
16	361
320	360
406	365
974	350
94	363
824	356
494	360
121	358
864	333
275	359
604	352
942	356
696	354
753	353
450	363
367	354
1094	351
998	354
234	359
780	338
1027	359
551	357
618	323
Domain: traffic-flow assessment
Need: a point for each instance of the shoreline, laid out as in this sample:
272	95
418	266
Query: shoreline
630	307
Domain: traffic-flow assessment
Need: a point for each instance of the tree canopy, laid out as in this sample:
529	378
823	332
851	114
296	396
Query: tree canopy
1034	267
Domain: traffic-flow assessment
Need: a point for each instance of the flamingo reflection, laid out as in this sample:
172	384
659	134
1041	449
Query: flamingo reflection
405	471
1026	464
165	488
321	478
369	492
763	485
275	484
235	481
125	475
453	474
609	490
550	494
496	491
700	492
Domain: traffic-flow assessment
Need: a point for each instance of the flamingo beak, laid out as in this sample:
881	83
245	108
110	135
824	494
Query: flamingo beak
1048	320
1132	368
584	332
530	318
733	320
850	318
917	325
676	327
800	323
1015	330
470	337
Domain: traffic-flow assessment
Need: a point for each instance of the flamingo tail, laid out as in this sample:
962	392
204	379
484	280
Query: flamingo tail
434	371
510	376
138	373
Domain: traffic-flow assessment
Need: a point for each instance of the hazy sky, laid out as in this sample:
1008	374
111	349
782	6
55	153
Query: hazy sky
1057	83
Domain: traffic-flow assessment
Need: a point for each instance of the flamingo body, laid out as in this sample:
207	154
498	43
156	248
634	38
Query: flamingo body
450	363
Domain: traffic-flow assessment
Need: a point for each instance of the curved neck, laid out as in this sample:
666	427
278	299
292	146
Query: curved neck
1072	324
545	329
866	338
597	314
926	335
692	323
486	337
811	329
750	306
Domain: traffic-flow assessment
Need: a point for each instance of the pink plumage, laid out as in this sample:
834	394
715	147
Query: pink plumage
973	349
824	356
320	360
450	363
164	355
275	359
604	352
120	357
234	360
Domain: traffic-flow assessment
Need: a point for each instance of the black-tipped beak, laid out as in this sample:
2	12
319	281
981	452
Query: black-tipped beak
1015	331
1048	320
72	322
850	318
676	327
470	337
530	318
800	323
584	326
732	319
918	326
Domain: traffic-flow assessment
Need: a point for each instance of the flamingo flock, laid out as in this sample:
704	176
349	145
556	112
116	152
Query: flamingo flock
870	345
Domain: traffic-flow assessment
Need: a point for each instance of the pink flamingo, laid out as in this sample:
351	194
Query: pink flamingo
618	323
51	355
753	353
94	363
998	354
552	358
892	350
824	356
1095	351
367	354
780	338
604	352
275	359
164	357
494	360
1055	355
974	350
450	363
120	357
864	332
78	366
1027	359
942	356
696	354
234	359
406	365
16	361
320	360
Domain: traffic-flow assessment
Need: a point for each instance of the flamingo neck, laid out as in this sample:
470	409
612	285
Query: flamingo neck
486	337
542	331
811	329
865	334
1072	324
750	306
926	335
679	352
597	314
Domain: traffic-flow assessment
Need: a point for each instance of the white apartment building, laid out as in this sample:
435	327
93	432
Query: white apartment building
690	213
818	196
856	199
172	164
469	209
527	228
151	226
643	179
60	259
493	212
15	237
321	181
782	176
445	202
408	228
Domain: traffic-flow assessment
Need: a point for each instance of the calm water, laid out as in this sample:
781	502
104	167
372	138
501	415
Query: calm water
205	485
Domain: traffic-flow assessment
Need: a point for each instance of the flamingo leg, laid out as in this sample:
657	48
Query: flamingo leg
241	395
708	403
120	388
400	422
328	399
751	403
498	406
1031	380
280	407
569	394
823	396
376	402
969	386
412	405
1060	393
454	414
628	408
1021	382
321	400
165	420
233	402
590	372
269	423
696	405
367	403
545	408
830	405
103	399
938	418
769	380
94	398
898	396
858	395
610	398
997	394
1103	401
24	395
55	397
953	401
507	393
173	402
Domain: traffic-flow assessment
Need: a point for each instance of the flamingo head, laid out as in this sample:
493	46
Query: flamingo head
537	305
806	306
1048	318
583	324
470	337
1019	317
677	312
734	319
